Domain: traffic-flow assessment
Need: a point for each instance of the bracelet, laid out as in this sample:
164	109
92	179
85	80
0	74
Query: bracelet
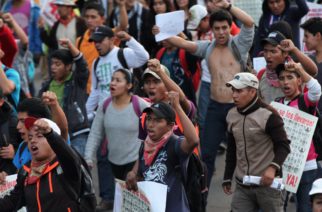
229	7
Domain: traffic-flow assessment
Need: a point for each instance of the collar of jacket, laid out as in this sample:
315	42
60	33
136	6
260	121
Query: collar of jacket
251	107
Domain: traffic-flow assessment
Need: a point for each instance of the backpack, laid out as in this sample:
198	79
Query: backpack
107	102
195	77
86	198
120	57
195	182
317	136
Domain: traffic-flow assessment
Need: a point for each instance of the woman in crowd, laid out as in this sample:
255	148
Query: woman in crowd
117	118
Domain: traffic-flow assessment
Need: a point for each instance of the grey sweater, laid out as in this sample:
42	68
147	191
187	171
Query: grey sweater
121	130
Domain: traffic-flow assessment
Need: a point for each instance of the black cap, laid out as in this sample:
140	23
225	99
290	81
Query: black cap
100	33
274	38
162	110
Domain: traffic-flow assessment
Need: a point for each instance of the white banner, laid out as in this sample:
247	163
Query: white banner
299	127
150	197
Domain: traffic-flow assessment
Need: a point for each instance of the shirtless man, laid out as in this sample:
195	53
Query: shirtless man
223	65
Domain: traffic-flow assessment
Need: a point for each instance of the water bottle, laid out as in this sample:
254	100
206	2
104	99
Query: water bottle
80	115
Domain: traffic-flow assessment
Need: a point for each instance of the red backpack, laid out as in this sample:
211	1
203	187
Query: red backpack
183	62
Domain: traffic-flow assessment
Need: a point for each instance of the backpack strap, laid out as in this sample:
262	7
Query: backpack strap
94	70
106	103
183	62
160	53
136	105
121	58
260	74
80	42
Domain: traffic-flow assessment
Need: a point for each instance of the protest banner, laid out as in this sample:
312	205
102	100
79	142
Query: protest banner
49	12
150	197
299	127
8	186
170	24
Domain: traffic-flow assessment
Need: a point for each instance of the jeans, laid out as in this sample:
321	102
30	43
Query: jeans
105	177
303	202
255	199
204	96
214	133
79	143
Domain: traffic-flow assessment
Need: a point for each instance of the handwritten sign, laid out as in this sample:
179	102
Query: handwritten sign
150	197
170	24
299	127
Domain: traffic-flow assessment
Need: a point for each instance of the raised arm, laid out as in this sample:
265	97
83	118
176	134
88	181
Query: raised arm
124	21
58	115
308	64
239	14
191	139
7	17
135	54
154	65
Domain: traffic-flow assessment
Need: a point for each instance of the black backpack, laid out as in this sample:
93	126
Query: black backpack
86	198
317	136
195	182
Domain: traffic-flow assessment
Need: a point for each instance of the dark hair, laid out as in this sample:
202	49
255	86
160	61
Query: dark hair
281	67
313	25
34	107
128	77
265	7
283	27
190	4
220	15
64	55
95	6
168	5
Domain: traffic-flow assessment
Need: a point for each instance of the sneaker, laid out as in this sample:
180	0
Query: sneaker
105	205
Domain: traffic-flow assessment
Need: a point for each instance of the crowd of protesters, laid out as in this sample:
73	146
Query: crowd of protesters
111	94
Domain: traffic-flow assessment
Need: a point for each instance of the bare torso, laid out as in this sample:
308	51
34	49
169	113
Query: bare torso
222	66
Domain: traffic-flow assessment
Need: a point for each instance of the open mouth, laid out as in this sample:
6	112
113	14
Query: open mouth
151	94
34	150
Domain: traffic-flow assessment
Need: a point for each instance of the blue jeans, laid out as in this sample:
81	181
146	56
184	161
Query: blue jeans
79	143
214	132
204	97
105	177
303	202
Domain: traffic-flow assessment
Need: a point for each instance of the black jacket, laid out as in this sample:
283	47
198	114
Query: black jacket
8	135
51	194
74	91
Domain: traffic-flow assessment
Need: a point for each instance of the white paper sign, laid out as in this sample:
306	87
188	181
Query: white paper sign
150	197
170	24
299	127
259	63
49	12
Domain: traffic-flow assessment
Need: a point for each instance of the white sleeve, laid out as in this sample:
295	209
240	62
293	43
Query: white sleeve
314	90
135	54
93	98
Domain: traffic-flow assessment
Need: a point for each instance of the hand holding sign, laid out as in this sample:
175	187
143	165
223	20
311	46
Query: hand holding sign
170	24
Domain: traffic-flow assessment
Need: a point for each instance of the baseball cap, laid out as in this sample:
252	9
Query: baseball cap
65	3
197	13
162	110
316	187
274	38
100	33
30	121
148	71
243	80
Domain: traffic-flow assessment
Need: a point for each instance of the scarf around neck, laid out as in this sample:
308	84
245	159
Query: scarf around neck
272	78
152	148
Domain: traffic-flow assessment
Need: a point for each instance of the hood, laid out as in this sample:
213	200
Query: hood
266	9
